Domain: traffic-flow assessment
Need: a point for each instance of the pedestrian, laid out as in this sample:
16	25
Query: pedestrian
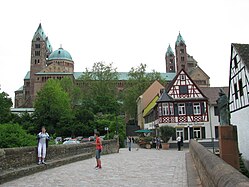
99	147
182	142
158	143
178	139
133	140
43	139
129	143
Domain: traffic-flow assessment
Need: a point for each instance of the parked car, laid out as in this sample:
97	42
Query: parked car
91	138
85	140
72	141
79	138
68	138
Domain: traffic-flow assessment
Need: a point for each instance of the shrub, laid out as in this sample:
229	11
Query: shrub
166	133
13	135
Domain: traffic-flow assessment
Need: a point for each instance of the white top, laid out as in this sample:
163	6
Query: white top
43	137
178	138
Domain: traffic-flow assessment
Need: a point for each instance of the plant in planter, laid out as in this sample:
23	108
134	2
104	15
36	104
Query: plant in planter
166	133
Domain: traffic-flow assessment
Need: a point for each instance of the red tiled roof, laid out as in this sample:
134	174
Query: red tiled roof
212	93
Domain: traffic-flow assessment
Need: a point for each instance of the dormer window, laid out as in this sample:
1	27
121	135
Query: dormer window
38	39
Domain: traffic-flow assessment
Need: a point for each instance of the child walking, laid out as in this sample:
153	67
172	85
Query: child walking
43	138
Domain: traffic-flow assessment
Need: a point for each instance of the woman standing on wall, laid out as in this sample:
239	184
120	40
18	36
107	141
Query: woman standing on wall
43	138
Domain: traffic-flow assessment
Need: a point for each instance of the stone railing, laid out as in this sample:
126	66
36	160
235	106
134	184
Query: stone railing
213	171
13	158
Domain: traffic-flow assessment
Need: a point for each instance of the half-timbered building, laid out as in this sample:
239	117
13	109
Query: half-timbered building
239	95
183	106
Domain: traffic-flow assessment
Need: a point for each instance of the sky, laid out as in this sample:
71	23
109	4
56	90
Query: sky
125	33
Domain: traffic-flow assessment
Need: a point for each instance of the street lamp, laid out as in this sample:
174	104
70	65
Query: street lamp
107	129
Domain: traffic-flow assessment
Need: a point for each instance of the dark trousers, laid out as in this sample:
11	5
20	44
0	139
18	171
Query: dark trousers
179	146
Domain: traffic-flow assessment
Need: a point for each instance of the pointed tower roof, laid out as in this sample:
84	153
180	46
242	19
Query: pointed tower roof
179	39
165	97
169	51
42	34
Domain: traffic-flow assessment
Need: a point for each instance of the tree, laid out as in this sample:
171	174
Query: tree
138	82
53	108
5	104
72	90
100	91
13	135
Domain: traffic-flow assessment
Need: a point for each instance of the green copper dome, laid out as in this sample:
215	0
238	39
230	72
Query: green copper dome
60	54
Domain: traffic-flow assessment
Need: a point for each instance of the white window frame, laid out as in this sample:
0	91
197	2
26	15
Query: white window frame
171	109
165	107
196	108
181	109
197	132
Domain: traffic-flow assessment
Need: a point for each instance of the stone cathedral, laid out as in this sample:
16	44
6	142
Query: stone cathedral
46	64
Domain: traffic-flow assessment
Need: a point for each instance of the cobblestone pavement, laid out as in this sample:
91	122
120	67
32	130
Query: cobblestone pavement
145	167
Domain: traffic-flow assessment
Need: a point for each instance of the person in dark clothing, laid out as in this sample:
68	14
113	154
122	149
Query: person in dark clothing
182	142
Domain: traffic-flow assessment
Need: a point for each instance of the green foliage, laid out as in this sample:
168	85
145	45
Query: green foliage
166	133
5	104
13	135
53	107
100	92
138	82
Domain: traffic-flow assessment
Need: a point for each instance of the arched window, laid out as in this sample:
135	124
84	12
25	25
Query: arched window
35	61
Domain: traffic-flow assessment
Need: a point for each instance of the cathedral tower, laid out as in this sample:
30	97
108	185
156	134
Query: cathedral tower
181	54
40	50
170	61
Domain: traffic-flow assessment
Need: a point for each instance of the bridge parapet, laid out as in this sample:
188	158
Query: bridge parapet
213	171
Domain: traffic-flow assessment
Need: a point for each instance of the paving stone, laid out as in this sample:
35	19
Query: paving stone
145	167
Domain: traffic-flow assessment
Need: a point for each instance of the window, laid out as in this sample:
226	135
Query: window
197	108
235	61
216	111
171	61
181	50
181	109
165	109
35	61
37	46
240	87
183	77
171	109
235	90
183	89
160	111
38	39
38	61
197	132
37	53
171	68
182	58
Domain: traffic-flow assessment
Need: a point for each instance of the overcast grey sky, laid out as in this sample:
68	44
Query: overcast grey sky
126	33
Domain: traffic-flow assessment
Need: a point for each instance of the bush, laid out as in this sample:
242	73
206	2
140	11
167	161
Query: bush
13	135
166	133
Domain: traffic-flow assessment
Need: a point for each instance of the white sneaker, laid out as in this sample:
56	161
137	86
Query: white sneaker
39	163
43	162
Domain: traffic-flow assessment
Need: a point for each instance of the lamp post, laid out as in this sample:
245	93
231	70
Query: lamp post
107	129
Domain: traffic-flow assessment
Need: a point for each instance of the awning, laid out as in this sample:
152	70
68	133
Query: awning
144	131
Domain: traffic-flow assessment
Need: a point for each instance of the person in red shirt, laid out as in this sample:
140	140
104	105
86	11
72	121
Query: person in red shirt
98	144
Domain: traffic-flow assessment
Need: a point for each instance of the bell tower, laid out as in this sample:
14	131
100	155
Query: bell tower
170	61
181	54
40	50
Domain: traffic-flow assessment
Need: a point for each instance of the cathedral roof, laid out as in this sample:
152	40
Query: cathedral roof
60	54
179	39
42	34
243	50
169	51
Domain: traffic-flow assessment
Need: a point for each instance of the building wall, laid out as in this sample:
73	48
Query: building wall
241	120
